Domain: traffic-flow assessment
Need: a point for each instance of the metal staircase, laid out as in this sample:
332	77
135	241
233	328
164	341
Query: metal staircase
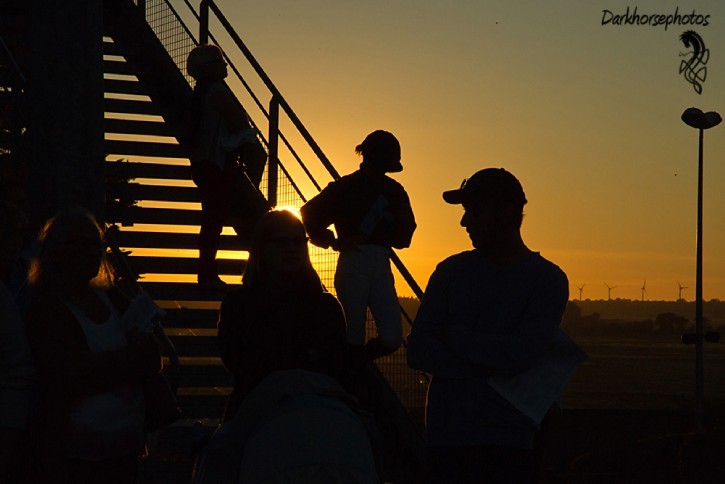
142	124
155	206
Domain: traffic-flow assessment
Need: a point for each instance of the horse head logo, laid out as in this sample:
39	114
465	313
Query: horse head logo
694	68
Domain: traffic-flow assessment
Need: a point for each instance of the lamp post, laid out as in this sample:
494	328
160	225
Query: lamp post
701	121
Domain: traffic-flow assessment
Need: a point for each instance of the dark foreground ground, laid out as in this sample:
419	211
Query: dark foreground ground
633	446
582	446
628	417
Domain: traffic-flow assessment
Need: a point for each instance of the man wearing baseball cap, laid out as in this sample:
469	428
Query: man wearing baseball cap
488	311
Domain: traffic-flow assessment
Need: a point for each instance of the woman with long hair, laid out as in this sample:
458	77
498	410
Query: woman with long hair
88	424
281	317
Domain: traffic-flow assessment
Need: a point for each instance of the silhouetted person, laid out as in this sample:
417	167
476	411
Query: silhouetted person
489	311
371	213
89	422
283	338
227	160
281	318
16	367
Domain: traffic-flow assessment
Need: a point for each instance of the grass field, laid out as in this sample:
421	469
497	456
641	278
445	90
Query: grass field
628	414
642	374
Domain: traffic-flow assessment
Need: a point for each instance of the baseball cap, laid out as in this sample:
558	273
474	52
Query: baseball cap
488	184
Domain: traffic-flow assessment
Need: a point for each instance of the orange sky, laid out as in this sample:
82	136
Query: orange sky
586	115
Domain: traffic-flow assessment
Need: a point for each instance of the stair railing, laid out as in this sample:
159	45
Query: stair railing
209	5
209	10
203	18
278	101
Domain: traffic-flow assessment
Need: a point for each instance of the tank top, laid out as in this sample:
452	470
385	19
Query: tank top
110	424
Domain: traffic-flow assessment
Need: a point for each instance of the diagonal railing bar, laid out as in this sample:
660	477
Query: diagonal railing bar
285	106
273	89
300	127
150	11
280	165
154	15
261	107
178	43
406	275
251	93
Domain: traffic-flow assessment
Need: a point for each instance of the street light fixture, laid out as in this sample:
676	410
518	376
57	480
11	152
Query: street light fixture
695	118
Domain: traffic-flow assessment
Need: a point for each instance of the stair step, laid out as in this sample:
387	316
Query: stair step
145	148
196	346
160	216
110	48
123	86
156	216
132	169
137	191
180	291
170	240
129	126
191	318
201	376
130	106
207	406
118	67
181	265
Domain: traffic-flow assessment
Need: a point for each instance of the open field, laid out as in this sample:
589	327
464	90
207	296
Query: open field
633	374
643	374
628	414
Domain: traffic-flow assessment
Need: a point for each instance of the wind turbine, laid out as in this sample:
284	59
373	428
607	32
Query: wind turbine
680	287
644	289
581	289
609	291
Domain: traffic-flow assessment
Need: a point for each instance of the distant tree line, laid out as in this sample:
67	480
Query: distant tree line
623	318
667	325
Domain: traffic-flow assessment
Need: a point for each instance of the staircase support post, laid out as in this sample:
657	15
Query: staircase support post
204	22
272	167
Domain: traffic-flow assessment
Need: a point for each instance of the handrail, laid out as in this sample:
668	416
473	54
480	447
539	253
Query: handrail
277	100
298	124
251	93
406	275
271	114
273	89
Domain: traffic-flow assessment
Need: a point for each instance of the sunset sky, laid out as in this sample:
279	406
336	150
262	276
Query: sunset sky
586	115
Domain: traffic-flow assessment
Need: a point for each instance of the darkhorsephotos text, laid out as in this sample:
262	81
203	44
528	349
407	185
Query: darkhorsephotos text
633	17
